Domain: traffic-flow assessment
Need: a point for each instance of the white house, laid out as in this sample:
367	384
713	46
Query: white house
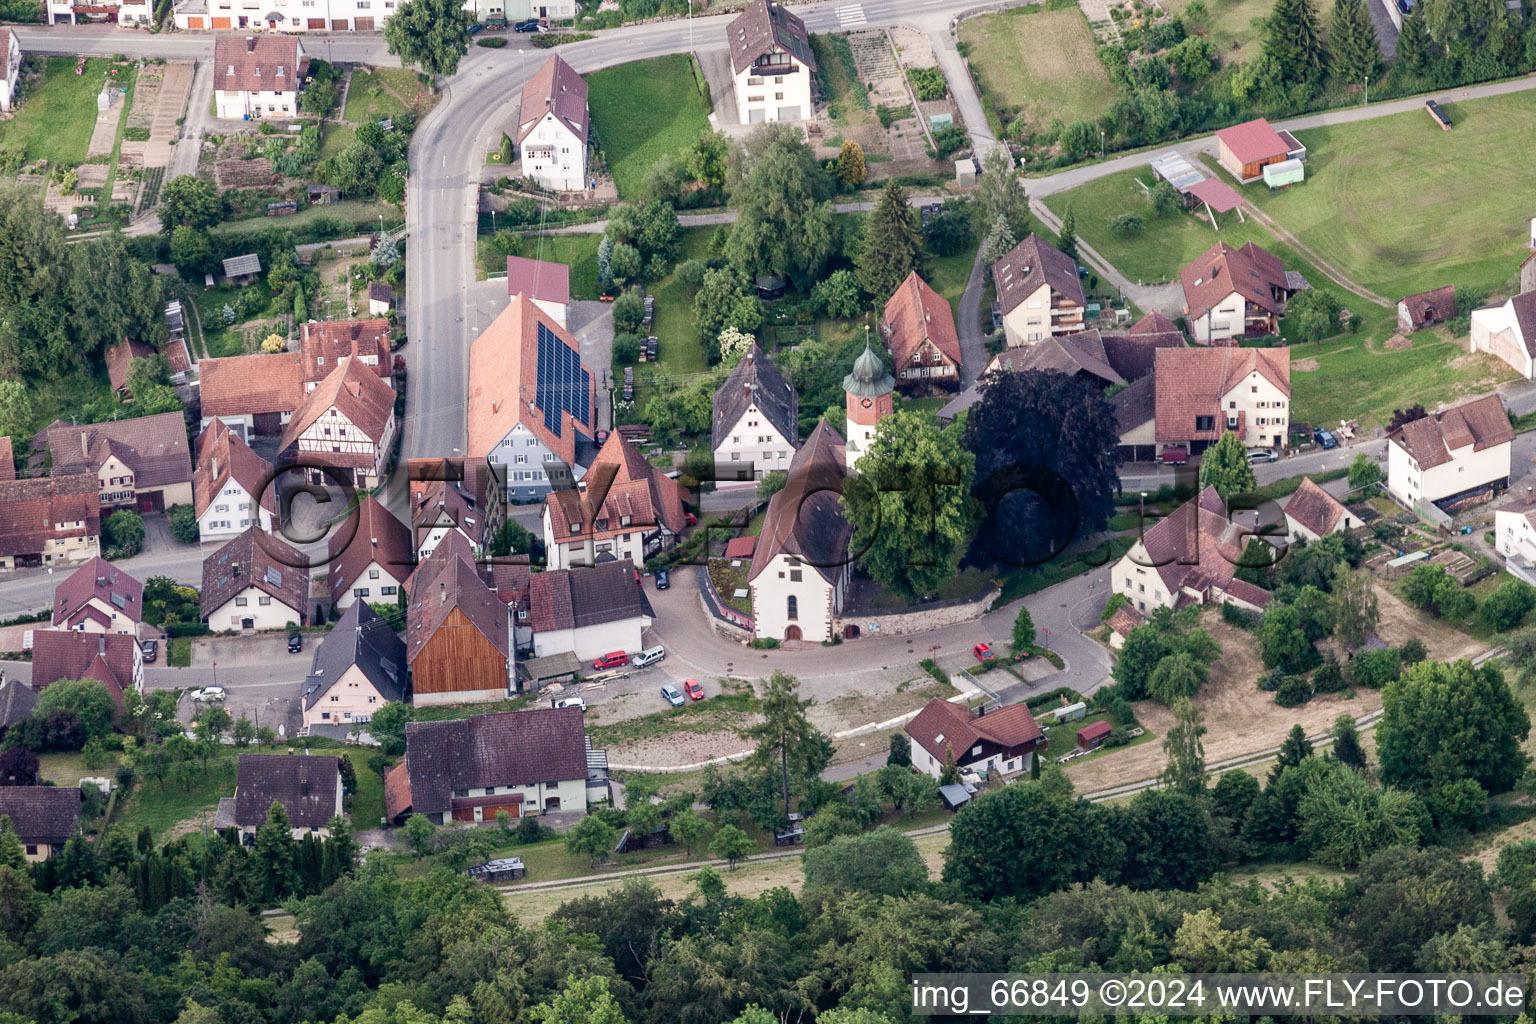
10	67
308	788
1453	458
1232	292
624	508
347	422
99	597
1001	742
358	668
43	817
1038	291
250	585
1191	555
1312	513
588	611
552	126
774	68
256	76
49	520
1200	393
230	486
755	423
369	564
1509	332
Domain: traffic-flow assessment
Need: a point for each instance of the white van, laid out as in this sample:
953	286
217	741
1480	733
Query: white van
649	656
568	702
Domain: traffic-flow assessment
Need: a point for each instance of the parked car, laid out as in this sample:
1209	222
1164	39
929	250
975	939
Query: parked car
613	659
663	579
151	649
295	643
693	689
476	27
1325	439
528	25
1262	455
671	696
649	656
984	652
208	693
689	519
568	702
1406	6
1174	456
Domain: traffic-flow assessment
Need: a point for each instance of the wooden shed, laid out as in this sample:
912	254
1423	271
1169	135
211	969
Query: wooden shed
1091	737
506	869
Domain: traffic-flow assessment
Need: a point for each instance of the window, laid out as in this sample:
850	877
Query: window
387	591
263	601
359	591
778	80
778	96
373	574
334	698
31	849
793	610
794	575
754	81
1233	405
1205	422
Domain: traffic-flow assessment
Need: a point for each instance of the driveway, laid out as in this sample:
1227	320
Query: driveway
591	323
252	649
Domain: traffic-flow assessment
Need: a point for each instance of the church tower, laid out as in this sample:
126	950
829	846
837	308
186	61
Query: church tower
868	389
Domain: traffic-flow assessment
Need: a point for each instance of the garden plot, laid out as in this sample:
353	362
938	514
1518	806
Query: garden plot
104	134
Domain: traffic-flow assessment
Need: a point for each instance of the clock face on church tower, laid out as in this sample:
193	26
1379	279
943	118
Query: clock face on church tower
866	403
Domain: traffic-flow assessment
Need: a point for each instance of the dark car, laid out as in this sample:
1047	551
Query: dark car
1406	6
1324	438
151	650
530	25
295	643
663	579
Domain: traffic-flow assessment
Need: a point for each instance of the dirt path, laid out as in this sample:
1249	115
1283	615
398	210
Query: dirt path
1334	275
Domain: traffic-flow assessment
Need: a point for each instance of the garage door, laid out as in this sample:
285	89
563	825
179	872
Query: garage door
757	116
195	23
365	24
317	23
339	24
221	23
789	113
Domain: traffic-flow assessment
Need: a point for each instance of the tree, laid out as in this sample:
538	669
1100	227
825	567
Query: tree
1000	193
1185	771
594	837
1403	896
1225	466
15	409
419	832
585	1000
388	727
1292	39
1413	50
910	503
1295	749
1313	314
734	343
784	224
1194	57
1342	819
1168	841
433	34
1177	677
999	241
1045	465
1356	57
124	531
731	844
1168	633
893	243
1364	473
1444	722
1166	198
850	165
1283	644
1405	416
786	743
723	301
1508	605
192	250
1068	242
1023	637
625	265
1435	590
1346	743
705	159
949	231
273	854
85	697
689	826
18	767
883	863
1127	225
1025	841
191	201
837	295
211	726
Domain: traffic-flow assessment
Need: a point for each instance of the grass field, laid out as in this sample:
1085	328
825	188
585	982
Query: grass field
349	211
368	801
1231	21
1039	62
335	137
378	93
1401	206
642	111
57	112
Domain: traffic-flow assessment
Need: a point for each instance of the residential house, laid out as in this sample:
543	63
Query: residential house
1453	458
1243	150
308	788
324	344
99	597
1121	622
257	76
1231	292
381	299
772	63
17	701
455	495
142	463
1508	331
523	762
1312	513
347	424
552	126
368	562
547	284
800	568
119	359
358	668
1001	742
755	421
1189	557
43	817
588	611
919	327
624	508
253	395
1135	409
1415	312
532	406
251	584
112	659
232	487
1200	393
458	633
1102	357
10	67
1514	524
1039	292
290	16
49	520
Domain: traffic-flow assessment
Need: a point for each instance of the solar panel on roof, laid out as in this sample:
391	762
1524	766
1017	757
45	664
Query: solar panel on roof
562	384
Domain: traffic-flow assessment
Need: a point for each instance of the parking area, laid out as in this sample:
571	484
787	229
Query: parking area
250	649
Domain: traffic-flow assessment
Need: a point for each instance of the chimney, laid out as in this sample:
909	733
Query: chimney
250	44
85	448
375	542
215	467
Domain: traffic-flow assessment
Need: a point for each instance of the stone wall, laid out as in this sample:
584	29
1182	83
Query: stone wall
899	622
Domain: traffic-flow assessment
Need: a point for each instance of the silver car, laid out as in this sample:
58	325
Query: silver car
672	695
1262	455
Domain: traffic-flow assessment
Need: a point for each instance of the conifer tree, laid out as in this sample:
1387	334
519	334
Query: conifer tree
1356	57
1294	40
893	244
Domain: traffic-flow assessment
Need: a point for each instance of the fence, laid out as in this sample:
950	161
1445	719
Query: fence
719	609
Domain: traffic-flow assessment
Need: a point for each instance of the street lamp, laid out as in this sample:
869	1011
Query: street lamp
1101	144
1367	90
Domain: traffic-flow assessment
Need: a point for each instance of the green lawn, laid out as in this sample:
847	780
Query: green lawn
68	768
378	93
1037	62
158	807
642	111
347	212
57	112
948	274
335	137
579	252
1231	21
368	801
1401	206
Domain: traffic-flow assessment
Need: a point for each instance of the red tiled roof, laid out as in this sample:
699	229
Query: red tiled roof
914	314
1432	306
154	447
107	658
557	86
458	492
120	359
767	27
397	791
360	396
630	486
1253	141
263	63
221	457
1153	322
246	562
103	581
1221	270
305	786
247	385
1314	508
1027	266
1430	440
445	581
941	724
1191	382
540	279
1218	195
1093	731
324	345
1196	545
34	506
1125	619
40	814
740	547
572	598
805	517
509	748
379	537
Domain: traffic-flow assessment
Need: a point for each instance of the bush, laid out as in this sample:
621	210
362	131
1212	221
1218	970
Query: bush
1294	691
1329	677
626	349
1242	618
1114	604
927	83
491	42
183	520
1413	651
628	311
1270	681
1127	225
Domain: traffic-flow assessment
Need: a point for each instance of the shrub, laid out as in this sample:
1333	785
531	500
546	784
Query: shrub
1329	677
1294	691
1242	618
1114	604
1413	651
927	83
1127	225
491	42
1375	669
1270	681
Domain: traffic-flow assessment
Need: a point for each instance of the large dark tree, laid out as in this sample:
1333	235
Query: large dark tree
1404	896
1444	722
431	33
790	752
1168	841
1356	51
190	200
1294	40
785	219
893	244
1045	463
1028	840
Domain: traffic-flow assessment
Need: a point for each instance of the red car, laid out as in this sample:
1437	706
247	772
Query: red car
983	652
614	659
689	519
693	689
